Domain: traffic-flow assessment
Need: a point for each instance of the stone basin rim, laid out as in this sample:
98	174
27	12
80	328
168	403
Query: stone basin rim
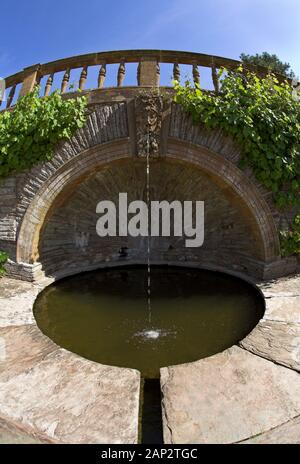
132	263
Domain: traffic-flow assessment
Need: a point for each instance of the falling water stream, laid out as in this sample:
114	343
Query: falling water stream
148	238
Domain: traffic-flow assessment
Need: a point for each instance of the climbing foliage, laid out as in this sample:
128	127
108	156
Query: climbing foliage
290	239
263	117
30	131
3	260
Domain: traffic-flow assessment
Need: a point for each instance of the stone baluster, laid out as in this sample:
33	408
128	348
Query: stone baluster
215	79
157	74
196	75
11	96
121	74
176	72
101	76
48	85
138	74
65	81
83	77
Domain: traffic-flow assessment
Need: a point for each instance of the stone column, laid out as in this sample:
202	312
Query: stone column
148	73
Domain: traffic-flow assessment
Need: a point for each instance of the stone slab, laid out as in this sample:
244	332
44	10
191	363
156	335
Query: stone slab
286	434
227	398
277	336
288	286
283	308
48	394
72	400
12	434
17	311
11	287
16	300
22	348
277	341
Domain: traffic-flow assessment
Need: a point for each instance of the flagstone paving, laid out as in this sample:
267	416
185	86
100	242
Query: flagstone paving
244	394
247	394
49	394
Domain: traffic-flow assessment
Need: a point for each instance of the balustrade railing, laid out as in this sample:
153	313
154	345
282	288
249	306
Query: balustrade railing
147	72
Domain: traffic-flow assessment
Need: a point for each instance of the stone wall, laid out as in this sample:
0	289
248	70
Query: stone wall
8	225
69	236
48	213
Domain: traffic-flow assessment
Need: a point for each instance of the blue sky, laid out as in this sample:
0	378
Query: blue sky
37	31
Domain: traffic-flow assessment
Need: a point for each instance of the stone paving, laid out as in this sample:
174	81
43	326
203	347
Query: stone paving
277	336
48	394
247	394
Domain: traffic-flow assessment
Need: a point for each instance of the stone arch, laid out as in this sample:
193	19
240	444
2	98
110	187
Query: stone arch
78	168
105	123
235	179
70	173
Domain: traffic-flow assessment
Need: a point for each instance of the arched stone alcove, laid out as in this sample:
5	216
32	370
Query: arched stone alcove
109	141
59	226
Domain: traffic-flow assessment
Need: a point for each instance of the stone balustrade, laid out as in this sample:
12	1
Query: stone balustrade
147	71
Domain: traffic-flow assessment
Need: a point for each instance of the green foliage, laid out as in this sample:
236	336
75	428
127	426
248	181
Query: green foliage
271	62
264	118
29	133
3	260
290	239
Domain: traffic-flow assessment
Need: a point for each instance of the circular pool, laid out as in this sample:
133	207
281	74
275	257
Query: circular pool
105	315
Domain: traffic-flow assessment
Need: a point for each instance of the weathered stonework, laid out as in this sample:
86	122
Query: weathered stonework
227	398
70	241
72	400
247	394
285	434
8	225
118	122
242	395
277	336
48	395
148	112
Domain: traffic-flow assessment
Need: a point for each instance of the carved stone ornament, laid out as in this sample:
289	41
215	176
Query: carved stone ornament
148	109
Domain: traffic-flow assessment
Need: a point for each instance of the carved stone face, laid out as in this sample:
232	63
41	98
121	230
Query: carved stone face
148	110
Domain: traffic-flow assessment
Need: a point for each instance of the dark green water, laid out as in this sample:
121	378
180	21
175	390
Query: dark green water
103	315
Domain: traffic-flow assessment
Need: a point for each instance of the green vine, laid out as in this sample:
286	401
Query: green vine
29	133
290	239
3	260
263	116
